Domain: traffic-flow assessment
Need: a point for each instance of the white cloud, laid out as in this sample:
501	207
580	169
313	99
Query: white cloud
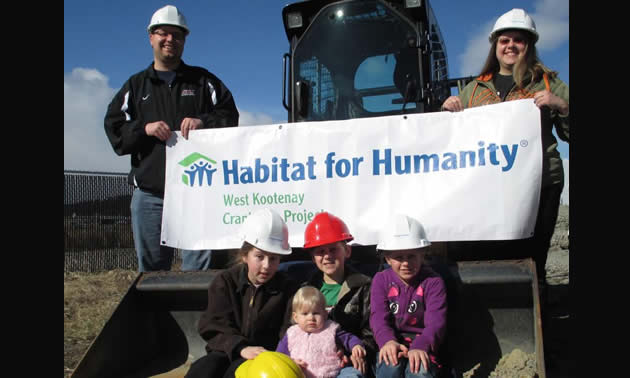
552	23
86	94
476	51
556	8
251	119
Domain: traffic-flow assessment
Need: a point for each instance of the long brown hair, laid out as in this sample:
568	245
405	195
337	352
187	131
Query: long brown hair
237	257
530	67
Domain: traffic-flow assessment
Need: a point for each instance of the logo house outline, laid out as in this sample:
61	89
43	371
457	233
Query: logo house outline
200	167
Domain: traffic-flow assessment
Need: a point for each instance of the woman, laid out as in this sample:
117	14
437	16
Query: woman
513	71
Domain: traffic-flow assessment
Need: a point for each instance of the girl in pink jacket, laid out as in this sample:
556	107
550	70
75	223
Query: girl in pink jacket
312	341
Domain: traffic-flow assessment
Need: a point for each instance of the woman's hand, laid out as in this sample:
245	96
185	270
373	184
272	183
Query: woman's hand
546	98
453	104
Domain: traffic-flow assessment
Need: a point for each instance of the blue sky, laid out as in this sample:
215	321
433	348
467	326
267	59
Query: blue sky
242	42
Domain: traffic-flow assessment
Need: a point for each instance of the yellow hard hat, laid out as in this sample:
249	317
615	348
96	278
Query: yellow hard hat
269	365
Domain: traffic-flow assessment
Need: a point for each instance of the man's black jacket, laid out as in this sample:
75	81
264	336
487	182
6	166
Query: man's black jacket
145	98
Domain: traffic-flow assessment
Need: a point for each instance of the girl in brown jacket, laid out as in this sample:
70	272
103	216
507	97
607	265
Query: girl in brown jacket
247	303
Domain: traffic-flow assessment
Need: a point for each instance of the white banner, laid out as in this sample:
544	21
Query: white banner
471	175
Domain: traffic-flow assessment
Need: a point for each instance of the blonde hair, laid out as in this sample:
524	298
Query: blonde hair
529	67
308	296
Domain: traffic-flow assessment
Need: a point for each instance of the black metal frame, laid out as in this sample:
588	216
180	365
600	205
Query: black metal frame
429	92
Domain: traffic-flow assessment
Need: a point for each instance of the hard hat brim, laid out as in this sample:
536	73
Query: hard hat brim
496	33
184	29
318	243
401	247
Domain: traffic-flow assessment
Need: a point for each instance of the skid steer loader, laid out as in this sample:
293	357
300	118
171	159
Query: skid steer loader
347	59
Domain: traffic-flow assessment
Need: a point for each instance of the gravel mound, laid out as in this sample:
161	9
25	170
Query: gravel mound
517	364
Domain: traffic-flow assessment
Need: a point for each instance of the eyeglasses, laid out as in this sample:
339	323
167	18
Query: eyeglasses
506	40
178	36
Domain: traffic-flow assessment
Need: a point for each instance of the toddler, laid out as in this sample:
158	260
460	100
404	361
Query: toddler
312	341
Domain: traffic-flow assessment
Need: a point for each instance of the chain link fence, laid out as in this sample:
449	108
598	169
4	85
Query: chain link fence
97	222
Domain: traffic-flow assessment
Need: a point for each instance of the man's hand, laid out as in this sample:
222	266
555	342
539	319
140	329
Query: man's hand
250	352
158	129
190	124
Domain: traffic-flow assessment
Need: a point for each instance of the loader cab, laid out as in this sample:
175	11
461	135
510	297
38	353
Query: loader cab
362	58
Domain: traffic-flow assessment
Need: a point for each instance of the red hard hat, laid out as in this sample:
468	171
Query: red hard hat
325	228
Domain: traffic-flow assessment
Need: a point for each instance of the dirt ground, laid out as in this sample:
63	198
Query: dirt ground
90	299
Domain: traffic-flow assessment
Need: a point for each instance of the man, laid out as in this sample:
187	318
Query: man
167	96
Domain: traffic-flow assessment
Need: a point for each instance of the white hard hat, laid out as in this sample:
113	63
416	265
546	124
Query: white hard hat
515	19
265	230
402	232
168	15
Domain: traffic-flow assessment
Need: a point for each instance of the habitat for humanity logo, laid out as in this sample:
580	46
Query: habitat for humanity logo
200	166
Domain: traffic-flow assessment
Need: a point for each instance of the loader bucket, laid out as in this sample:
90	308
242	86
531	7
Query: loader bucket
493	309
153	330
